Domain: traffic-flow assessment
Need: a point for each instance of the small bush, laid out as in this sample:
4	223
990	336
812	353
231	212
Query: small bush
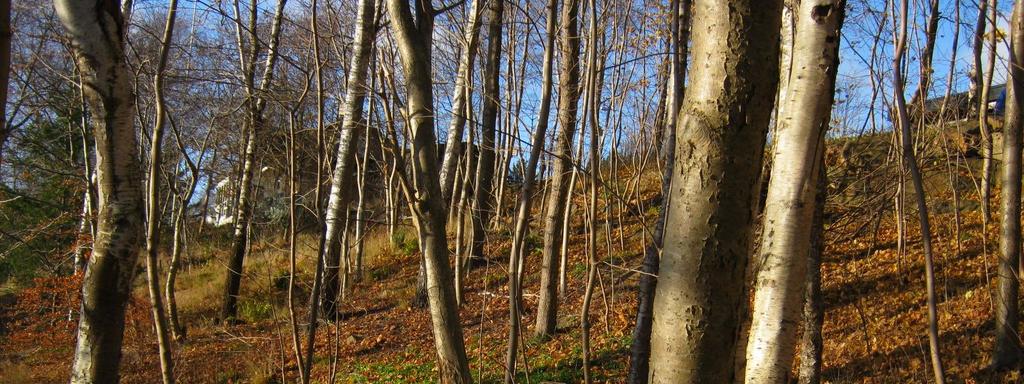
391	373
253	311
578	270
410	246
405	242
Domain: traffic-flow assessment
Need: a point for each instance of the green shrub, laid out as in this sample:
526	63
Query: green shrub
405	242
391	373
253	311
578	270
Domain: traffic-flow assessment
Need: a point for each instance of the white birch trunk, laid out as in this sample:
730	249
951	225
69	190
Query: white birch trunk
786	237
97	31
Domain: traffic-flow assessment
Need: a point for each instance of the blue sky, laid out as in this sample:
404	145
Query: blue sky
854	83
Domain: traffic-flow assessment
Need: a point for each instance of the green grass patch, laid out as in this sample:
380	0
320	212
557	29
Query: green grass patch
254	311
391	373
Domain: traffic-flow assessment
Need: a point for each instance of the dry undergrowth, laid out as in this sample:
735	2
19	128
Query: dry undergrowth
874	330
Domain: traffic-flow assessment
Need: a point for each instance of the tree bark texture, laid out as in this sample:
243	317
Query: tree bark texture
569	95
160	322
414	38
353	125
97	31
809	368
640	348
907	149
243	214
463	82
789	208
720	136
1007	351
483	199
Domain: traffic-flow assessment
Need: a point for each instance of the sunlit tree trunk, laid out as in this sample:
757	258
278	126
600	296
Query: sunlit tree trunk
809	369
255	109
1007	351
461	101
640	349
414	36
97	32
720	136
521	226
353	125
569	94
907	149
360	221
981	83
153	204
86	224
178	234
483	199
591	103
322	257
293	326
789	208
462	107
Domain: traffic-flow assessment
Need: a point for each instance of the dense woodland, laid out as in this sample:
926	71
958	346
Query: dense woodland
517	191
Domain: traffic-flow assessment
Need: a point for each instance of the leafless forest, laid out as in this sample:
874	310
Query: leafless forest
514	191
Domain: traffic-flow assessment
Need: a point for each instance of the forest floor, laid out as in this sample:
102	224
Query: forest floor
874	328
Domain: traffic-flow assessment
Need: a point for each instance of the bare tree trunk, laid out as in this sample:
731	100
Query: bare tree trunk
414	37
205	210
927	51
321	266
256	105
84	225
153	204
515	89
569	94
465	188
526	193
483	200
360	222
809	369
461	104
462	108
953	167
1007	351
87	224
984	81
720	136
353	126
300	361
460	230
593	90
176	329
178	233
97	32
789	208
922	206
640	348
575	159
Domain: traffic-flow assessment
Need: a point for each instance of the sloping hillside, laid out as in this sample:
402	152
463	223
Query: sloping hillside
874	327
